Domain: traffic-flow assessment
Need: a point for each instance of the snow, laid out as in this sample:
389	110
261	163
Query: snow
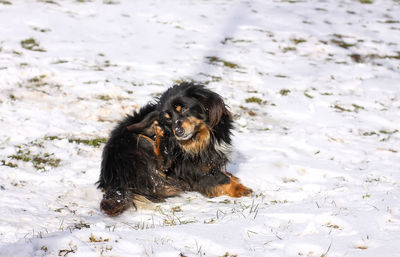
319	143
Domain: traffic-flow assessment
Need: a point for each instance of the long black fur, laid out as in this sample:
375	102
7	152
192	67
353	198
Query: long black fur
131	167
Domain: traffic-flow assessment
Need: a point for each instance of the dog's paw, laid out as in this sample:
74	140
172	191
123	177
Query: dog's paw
233	189
240	190
113	207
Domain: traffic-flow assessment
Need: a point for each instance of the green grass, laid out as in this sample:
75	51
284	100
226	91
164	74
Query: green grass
356	108
341	109
284	92
342	43
95	142
308	95
40	161
104	97
49	2
217	60
91	142
8	164
289	49
253	100
32	45
298	40
5	2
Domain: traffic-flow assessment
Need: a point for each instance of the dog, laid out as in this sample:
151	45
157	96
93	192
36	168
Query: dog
179	142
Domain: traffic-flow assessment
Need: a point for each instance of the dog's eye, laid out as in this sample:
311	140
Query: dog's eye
167	116
178	108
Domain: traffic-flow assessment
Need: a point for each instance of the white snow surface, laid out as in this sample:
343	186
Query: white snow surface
314	87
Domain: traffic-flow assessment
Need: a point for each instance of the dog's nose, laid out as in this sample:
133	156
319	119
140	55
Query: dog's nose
179	130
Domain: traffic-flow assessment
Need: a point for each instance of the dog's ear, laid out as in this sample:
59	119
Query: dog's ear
213	105
144	124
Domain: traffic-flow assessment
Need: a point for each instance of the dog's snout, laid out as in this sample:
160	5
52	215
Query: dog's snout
179	131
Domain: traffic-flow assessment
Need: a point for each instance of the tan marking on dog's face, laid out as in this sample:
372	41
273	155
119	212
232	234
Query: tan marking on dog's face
201	135
190	124
167	116
178	108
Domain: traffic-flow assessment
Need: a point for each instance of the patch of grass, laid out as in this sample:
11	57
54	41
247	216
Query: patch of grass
281	76
93	239
308	95
298	40
211	78
384	135
217	60
40	29
49	2
366	1
388	132
289	49
376	56
52	138
38	82
37	79
40	161
341	109
367	195
104	97
8	164
253	99
356	108
371	133
342	43
392	21
91	142
32	45
273	202
284	92
61	61
5	2
231	39
363	58
110	2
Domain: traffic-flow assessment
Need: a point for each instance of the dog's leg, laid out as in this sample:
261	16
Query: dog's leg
151	141
115	202
233	189
144	126
159	133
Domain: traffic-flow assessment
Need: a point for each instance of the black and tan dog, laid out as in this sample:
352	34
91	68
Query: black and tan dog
178	143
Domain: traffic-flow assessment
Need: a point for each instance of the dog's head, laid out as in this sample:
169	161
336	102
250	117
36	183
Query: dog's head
191	113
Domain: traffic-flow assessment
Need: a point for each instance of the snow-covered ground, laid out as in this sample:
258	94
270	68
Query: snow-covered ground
314	86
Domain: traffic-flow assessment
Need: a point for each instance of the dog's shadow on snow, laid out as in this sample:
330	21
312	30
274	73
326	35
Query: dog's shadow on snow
236	158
